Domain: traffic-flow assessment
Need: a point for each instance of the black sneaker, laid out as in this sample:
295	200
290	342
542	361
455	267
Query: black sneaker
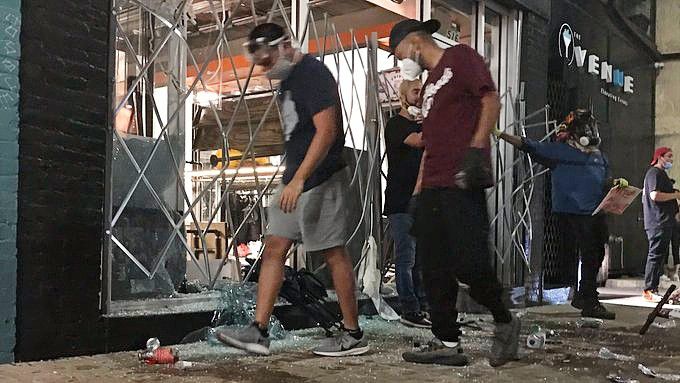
249	339
435	352
577	302
418	320
598	311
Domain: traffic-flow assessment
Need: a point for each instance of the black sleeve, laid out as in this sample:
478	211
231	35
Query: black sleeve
397	130
324	94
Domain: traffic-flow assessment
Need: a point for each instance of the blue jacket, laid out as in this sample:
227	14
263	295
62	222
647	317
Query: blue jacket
579	179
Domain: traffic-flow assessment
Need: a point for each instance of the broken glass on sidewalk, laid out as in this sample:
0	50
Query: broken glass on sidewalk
238	302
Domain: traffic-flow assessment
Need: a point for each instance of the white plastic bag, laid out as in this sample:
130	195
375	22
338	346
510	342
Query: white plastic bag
370	280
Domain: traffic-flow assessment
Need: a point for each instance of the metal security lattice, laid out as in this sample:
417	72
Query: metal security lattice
152	199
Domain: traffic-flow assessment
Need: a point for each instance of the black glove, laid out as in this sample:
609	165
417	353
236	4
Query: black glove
413	205
475	171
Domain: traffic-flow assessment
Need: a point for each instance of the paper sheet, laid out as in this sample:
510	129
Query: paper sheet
618	200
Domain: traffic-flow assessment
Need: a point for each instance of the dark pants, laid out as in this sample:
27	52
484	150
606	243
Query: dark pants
590	234
452	231
659	239
675	244
407	268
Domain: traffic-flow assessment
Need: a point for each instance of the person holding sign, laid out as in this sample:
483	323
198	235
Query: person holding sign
580	181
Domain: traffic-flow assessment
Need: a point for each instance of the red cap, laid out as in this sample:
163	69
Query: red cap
659	152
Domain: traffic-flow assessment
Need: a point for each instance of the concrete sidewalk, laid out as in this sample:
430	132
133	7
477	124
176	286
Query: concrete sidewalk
571	357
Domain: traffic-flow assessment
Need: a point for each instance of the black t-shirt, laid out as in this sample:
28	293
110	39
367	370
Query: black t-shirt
658	214
403	163
309	89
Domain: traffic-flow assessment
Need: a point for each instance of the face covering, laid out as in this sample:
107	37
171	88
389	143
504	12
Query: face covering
410	70
667	165
415	112
281	69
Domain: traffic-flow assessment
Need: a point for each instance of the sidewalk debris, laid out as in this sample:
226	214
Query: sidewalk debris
657	310
664	324
605	353
161	355
152	344
589	323
649	372
536	341
617	379
186	365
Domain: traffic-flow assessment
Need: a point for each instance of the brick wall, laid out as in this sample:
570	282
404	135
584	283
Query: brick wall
9	129
62	157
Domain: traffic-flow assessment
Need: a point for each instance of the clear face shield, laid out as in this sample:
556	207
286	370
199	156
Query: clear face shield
261	50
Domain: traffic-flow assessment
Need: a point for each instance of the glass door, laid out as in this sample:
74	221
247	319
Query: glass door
459	21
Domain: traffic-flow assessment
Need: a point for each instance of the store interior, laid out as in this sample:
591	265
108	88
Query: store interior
197	148
202	123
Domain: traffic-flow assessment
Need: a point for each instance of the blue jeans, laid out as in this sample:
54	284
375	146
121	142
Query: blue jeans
409	277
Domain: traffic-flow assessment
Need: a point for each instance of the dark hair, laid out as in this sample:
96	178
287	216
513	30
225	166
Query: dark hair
267	31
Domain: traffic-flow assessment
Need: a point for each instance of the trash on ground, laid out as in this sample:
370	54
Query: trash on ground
618	379
152	344
161	355
536	341
537	338
605	353
649	372
186	365
664	324
589	323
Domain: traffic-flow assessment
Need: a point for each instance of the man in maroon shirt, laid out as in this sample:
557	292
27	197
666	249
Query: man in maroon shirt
460	107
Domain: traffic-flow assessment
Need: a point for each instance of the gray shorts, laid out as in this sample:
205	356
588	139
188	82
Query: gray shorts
320	218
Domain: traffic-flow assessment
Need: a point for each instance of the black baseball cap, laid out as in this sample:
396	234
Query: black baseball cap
401	29
266	34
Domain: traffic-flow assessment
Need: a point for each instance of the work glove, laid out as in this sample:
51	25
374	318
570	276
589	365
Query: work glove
621	183
496	132
475	171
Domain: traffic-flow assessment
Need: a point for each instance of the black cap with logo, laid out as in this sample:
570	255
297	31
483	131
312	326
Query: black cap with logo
401	29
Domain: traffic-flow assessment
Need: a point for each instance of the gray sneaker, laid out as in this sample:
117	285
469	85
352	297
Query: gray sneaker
248	339
342	344
435	352
506	342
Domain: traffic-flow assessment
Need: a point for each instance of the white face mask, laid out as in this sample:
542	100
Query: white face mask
281	69
415	112
410	69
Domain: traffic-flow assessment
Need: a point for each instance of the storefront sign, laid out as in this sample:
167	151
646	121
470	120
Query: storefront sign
573	52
